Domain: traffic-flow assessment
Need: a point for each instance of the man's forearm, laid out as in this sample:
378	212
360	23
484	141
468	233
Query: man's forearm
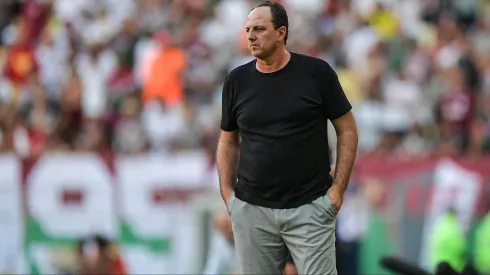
227	162
346	156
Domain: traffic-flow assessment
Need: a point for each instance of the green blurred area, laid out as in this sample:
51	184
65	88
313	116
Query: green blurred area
375	245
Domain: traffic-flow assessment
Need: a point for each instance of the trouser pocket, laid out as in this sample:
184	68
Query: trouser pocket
231	200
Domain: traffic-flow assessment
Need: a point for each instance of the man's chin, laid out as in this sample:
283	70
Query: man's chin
257	54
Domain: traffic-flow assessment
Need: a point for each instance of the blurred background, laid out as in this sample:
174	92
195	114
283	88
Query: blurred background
109	119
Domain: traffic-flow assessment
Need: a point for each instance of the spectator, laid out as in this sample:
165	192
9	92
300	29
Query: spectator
482	240
98	255
448	242
164	79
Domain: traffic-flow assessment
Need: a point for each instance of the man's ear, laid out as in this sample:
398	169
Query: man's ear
282	33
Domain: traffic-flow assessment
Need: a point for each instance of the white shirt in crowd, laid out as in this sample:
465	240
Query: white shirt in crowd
94	74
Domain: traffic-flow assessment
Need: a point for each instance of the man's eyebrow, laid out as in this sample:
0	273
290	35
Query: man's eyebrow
255	26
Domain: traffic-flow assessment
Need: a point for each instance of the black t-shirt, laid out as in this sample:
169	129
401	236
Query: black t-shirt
282	120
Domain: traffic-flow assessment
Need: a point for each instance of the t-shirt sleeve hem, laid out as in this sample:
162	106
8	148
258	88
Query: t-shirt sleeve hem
341	113
229	129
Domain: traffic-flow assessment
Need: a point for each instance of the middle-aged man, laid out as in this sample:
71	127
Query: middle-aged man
274	130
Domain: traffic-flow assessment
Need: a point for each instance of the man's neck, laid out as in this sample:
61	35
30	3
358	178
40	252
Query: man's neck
275	62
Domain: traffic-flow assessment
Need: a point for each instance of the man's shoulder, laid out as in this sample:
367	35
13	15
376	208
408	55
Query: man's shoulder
319	67
310	60
240	71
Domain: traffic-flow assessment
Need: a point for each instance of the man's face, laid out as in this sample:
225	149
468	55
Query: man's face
261	35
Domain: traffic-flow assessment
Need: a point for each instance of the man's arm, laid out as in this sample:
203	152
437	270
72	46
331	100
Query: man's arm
346	129
227	162
337	109
347	138
228	146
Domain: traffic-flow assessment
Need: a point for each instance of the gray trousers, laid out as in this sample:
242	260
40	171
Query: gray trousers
263	237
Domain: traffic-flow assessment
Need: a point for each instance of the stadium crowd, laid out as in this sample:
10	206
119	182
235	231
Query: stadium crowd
136	76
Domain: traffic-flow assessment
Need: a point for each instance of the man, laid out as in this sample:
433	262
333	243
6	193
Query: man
448	242
482	243
221	256
278	106
97	255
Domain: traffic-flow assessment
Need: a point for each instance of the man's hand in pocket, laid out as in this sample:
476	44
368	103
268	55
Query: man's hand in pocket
336	197
226	195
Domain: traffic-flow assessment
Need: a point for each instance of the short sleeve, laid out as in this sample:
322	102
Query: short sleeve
335	102
228	115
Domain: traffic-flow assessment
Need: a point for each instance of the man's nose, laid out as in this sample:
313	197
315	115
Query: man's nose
251	37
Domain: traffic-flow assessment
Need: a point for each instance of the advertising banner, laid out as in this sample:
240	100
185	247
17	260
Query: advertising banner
68	197
11	216
157	227
145	204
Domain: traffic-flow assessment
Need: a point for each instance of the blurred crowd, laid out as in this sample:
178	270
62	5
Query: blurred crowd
93	254
134	76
